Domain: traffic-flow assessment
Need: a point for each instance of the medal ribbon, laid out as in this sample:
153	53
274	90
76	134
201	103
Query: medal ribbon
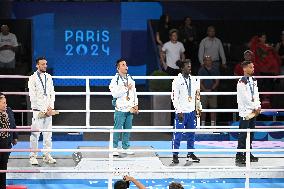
188	86
251	87
125	83
43	86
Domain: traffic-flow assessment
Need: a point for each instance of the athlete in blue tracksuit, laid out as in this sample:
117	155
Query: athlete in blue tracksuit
184	91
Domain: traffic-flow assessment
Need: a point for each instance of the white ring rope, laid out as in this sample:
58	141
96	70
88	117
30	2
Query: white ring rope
154	127
143	150
176	170
138	93
139	77
248	169
150	111
143	130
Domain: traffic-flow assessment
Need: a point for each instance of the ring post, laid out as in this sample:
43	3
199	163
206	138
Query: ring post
88	102
248	168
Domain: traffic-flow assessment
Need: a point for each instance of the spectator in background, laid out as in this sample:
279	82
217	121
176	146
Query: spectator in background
212	46
280	50
248	56
267	61
187	31
8	47
7	139
162	34
208	85
172	51
175	185
188	38
124	184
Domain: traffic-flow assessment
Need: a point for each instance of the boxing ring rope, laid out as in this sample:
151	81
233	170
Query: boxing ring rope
152	127
89	128
140	93
247	169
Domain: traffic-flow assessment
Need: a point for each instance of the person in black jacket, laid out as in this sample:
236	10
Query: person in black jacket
7	121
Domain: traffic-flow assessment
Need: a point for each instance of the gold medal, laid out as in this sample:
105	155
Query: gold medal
127	98
189	98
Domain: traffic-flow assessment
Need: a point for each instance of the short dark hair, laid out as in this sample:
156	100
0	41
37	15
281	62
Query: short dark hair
121	184
186	17
118	61
211	27
40	58
245	63
175	185
260	34
181	63
2	95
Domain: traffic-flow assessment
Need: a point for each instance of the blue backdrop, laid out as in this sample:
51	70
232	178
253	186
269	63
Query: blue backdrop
84	39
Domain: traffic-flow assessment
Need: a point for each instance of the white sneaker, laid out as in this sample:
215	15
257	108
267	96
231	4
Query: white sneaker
33	160
128	152
48	159
115	153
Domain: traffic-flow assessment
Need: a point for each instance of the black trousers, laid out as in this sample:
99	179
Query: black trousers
245	124
4	156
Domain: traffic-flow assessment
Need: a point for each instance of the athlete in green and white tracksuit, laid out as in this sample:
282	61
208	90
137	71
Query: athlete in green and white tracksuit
123	90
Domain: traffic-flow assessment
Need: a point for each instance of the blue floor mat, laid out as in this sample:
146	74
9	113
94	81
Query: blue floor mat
154	144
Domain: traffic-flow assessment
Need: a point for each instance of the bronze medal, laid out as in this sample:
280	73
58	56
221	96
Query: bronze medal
189	98
127	98
252	99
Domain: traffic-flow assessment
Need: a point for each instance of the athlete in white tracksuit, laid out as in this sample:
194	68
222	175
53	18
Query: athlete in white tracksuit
248	102
42	97
125	101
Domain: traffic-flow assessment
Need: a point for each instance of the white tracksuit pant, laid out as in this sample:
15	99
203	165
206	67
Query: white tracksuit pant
42	123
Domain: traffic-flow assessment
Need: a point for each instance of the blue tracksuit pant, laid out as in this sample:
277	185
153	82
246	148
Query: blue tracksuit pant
189	122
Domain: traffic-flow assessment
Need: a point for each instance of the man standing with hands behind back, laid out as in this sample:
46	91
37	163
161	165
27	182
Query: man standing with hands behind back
125	100
42	97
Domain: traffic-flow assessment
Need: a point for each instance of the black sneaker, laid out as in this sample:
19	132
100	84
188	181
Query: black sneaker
253	159
240	159
193	157
175	159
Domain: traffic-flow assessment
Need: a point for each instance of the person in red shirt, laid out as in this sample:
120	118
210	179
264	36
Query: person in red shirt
248	56
268	63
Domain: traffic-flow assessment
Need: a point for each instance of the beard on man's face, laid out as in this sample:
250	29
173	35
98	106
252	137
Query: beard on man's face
124	71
